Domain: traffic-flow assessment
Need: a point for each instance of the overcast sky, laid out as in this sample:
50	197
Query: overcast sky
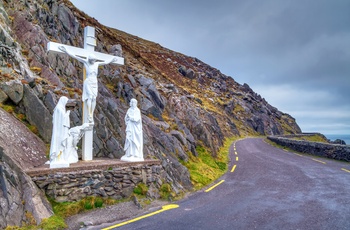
294	53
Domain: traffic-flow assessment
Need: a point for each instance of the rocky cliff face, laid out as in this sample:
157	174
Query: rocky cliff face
20	199
185	103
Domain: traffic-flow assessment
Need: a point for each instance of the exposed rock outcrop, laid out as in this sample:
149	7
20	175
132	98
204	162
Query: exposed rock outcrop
185	103
20	149
339	142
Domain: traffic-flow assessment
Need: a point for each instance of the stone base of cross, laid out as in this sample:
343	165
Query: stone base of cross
81	55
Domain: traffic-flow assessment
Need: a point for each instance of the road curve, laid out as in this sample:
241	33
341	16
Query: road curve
264	188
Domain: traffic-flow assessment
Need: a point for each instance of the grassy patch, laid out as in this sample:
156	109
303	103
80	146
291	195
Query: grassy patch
110	86
33	129
238	109
313	138
141	189
8	108
165	191
66	209
30	218
52	223
204	169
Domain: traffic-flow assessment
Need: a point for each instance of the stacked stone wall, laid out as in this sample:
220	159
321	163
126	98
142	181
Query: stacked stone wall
333	151
115	182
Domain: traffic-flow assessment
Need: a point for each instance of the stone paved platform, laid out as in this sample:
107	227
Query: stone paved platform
95	164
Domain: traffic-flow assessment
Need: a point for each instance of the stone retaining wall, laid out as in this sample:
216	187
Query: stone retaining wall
116	182
333	151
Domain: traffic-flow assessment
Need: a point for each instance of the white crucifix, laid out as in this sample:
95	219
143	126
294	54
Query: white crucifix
91	60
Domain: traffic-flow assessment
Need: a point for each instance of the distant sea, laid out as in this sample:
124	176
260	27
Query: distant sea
344	137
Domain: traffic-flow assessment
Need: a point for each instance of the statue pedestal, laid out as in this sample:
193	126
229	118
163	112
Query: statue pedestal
59	165
131	159
87	145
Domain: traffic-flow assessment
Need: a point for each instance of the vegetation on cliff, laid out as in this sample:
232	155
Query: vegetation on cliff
190	110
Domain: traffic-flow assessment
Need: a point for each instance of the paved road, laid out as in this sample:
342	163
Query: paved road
265	188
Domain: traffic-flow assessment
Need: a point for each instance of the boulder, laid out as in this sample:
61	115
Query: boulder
190	73
3	96
26	149
144	81
50	101
156	97
339	142
178	135
68	20
14	90
149	107
37	114
128	91
132	80
35	200
183	70
116	50
153	192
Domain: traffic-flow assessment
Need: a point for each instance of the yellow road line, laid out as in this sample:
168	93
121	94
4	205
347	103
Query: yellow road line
319	161
346	170
164	208
236	158
236	153
212	187
298	154
233	168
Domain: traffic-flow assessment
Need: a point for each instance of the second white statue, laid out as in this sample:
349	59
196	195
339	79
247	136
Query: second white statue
134	135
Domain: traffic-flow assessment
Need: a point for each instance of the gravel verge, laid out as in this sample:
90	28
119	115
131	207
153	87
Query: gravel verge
110	215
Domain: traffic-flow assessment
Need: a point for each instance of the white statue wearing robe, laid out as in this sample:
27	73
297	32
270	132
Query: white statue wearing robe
90	87
74	135
61	124
134	135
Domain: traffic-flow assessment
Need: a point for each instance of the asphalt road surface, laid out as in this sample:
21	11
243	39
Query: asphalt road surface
264	188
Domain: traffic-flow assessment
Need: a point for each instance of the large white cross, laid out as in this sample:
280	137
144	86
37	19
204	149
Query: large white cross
89	47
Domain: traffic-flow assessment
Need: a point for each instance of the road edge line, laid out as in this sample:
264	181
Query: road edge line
322	162
212	187
164	208
233	168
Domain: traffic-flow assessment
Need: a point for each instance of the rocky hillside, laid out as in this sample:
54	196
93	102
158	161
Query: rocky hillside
185	103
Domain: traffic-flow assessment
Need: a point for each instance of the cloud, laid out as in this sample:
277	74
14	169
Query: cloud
314	110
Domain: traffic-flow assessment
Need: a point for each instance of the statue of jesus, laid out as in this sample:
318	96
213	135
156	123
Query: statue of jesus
90	87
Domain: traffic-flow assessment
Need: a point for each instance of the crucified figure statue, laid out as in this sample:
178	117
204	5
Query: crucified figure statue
90	87
91	60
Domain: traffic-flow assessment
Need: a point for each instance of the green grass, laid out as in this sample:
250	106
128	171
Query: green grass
312	138
54	222
141	189
165	191
64	210
205	169
8	108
